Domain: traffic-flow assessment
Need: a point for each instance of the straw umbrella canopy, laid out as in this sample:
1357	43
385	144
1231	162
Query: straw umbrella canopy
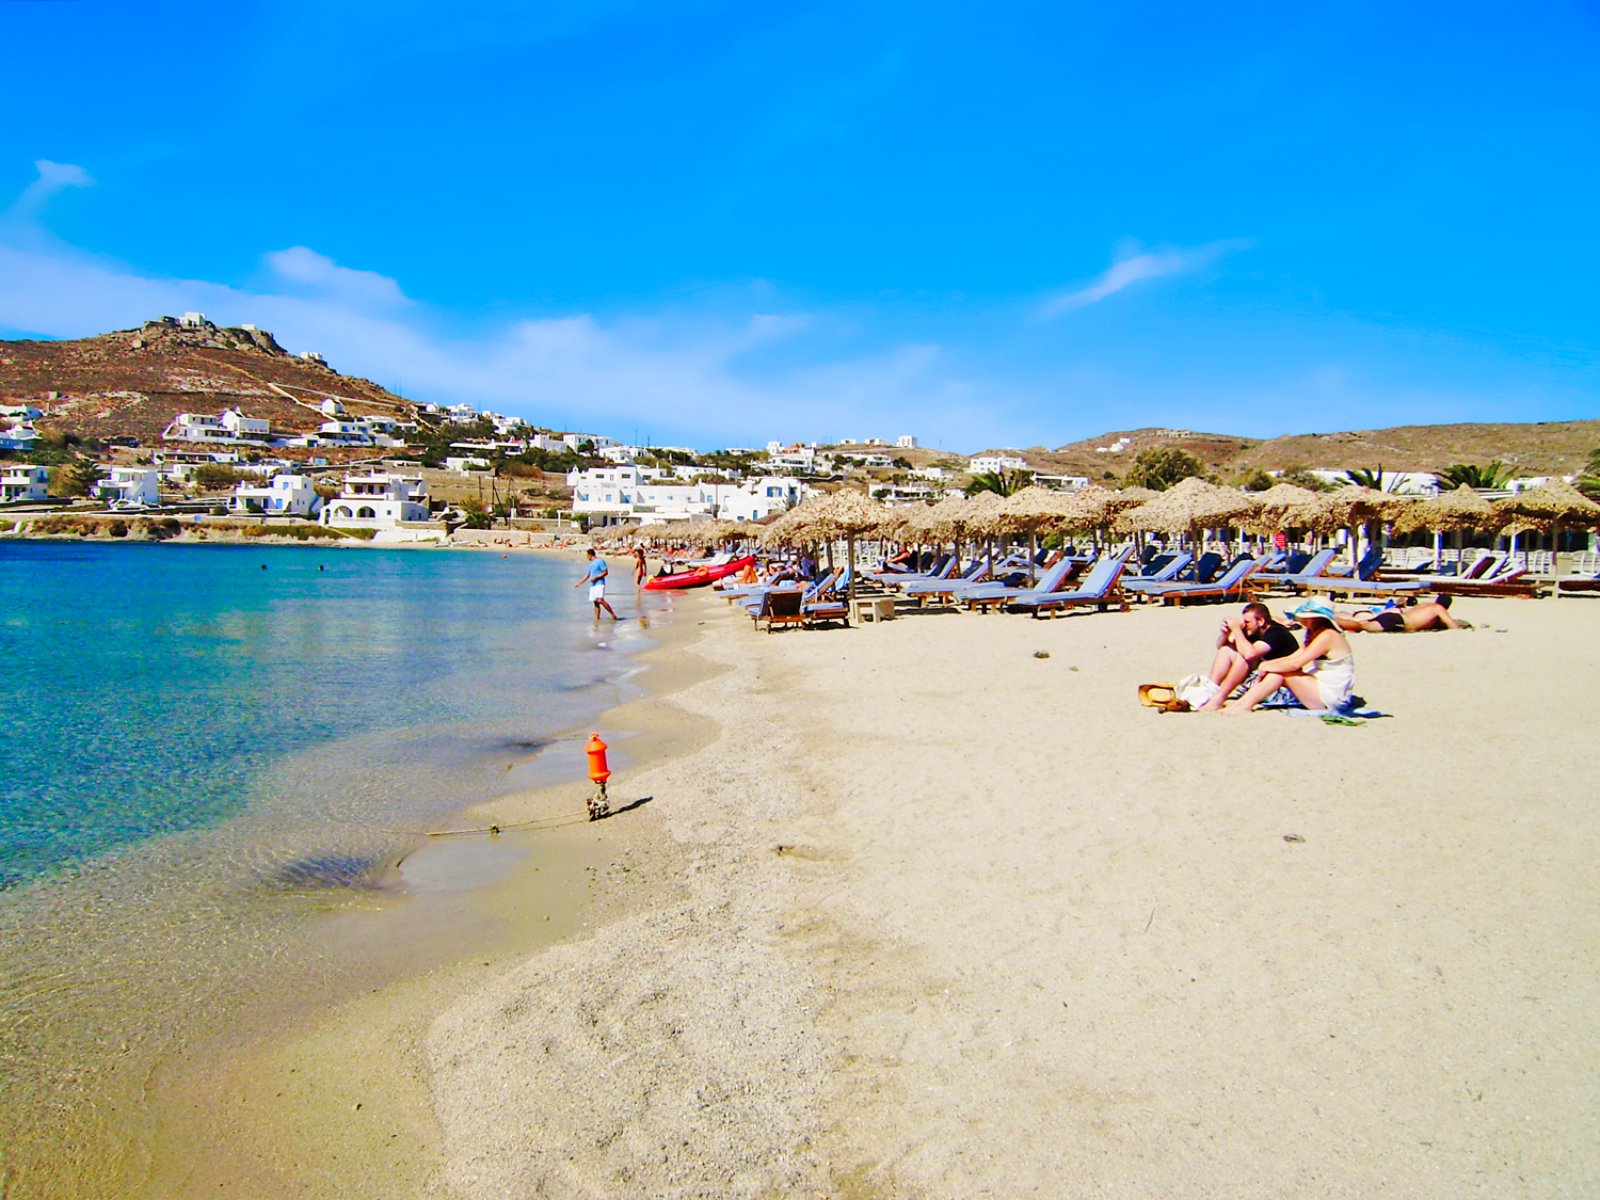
1275	503
1097	507
950	520
788	530
847	514
1460	509
1549	507
1188	507
1347	508
1031	510
986	518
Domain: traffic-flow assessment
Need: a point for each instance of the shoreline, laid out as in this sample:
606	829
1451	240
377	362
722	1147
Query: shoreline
186	967
337	1103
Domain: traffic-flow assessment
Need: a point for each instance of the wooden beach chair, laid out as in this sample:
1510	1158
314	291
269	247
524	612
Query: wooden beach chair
1100	589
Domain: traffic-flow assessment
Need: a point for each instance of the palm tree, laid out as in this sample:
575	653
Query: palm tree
1490	477
1003	483
1589	481
1368	478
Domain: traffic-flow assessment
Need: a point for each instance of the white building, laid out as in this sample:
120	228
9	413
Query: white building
20	412
1400	483
280	496
380	500
596	442
193	320
996	463
130	487
331	408
615	494
21	437
246	428
24	481
800	460
867	460
1063	483
231	427
906	442
466	464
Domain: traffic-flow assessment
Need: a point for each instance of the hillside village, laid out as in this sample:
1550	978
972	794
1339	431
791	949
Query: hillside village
184	416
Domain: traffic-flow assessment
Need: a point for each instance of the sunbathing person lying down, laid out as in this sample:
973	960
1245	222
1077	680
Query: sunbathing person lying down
1392	618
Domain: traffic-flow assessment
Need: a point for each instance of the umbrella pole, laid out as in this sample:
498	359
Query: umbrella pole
1555	560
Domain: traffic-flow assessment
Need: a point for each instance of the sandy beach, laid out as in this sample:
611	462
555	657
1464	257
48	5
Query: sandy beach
932	915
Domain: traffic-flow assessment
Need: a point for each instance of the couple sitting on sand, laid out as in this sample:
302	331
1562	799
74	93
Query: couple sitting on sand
1259	655
1256	655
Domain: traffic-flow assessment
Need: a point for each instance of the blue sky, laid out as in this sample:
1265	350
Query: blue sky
715	223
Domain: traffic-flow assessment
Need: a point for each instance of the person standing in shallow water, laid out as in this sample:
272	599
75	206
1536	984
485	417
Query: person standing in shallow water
595	576
640	568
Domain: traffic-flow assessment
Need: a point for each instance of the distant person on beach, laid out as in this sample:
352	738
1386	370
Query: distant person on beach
1392	618
1321	674
1242	645
595	577
640	568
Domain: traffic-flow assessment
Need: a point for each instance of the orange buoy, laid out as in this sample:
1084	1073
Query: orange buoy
596	750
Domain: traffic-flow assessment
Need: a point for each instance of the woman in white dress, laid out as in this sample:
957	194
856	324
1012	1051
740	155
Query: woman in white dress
1321	674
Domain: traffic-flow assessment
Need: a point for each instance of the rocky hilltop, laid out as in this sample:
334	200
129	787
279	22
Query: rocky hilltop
132	383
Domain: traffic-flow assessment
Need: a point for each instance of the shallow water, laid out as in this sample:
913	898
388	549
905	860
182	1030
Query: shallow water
209	750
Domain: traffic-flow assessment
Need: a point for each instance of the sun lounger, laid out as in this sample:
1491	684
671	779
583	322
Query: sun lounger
1233	584
781	608
1099	589
989	595
977	573
944	570
1311	568
826	612
810	590
1166	574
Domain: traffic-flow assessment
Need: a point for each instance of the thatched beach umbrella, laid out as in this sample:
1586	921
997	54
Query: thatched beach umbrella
1031	511
1455	511
1275	503
847	514
1189	506
1352	508
1097	508
1549	507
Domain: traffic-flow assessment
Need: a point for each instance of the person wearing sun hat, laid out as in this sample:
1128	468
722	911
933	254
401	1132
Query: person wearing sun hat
1321	674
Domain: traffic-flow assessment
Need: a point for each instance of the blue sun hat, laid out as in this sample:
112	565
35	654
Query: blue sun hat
1320	609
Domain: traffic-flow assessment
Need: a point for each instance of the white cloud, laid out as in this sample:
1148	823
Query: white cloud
1133	268
53	177
319	273
691	375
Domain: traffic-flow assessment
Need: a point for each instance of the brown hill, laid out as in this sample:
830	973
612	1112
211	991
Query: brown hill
1540	448
1543	448
133	382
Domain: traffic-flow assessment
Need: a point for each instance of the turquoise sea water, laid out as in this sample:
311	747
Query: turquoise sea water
151	689
214	759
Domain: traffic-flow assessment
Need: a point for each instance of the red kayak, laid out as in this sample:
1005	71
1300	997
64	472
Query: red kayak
698	577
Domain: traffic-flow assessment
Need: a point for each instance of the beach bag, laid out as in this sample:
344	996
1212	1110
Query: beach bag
1196	690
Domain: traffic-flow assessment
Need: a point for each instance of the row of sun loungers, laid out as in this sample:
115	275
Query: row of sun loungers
1106	582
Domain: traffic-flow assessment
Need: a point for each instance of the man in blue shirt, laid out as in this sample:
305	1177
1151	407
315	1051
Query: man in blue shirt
595	577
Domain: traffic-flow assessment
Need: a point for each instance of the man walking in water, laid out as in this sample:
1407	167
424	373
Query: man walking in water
595	577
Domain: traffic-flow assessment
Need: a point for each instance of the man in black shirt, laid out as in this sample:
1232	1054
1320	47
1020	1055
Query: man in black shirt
1243	644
